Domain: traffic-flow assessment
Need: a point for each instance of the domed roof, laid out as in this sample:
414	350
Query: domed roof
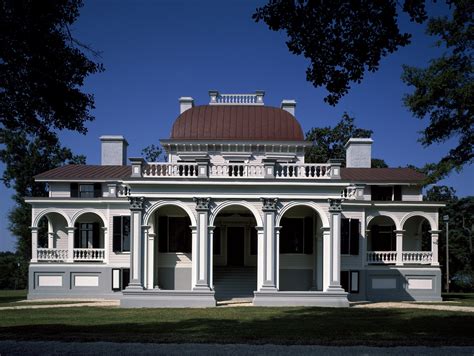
237	123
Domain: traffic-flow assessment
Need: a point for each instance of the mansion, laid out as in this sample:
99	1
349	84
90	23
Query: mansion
234	214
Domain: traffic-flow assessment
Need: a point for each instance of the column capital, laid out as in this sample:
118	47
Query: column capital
435	231
211	228
34	228
335	205
202	203
136	203
399	231
269	204
70	228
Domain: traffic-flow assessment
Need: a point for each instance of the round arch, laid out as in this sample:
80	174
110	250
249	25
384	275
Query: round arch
396	222
314	206
45	212
431	221
160	204
221	206
78	214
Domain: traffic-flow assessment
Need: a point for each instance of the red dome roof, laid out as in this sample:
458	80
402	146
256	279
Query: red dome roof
238	123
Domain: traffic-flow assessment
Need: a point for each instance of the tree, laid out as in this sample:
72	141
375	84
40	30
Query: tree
461	222
42	68
343	40
444	91
153	153
328	143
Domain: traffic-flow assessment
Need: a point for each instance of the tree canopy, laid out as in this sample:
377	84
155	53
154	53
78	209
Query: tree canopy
42	70
343	40
328	142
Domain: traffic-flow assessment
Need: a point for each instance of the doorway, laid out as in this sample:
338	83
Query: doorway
235	246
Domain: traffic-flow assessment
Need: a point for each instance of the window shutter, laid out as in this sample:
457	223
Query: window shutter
345	227
125	241
96	235
308	235
163	234
397	193
354	237
117	234
76	235
74	190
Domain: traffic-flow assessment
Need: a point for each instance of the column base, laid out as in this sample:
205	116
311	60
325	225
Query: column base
305	298
134	286
201	287
336	289
153	298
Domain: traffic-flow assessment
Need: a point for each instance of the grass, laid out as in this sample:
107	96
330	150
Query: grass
324	326
454	299
15	298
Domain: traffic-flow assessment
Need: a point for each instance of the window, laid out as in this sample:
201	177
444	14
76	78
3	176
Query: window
121	233
89	190
87	235
296	235
216	242
350	236
350	281
386	193
120	278
174	234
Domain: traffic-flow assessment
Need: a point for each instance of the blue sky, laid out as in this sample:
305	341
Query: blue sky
156	51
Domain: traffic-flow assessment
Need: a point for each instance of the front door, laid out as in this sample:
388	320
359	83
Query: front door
235	246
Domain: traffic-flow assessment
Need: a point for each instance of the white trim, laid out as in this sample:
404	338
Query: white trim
97	212
322	214
150	211
213	214
47	211
370	217
432	222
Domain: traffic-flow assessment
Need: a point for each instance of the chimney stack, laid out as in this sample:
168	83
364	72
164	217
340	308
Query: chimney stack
185	103
114	150
359	153
289	105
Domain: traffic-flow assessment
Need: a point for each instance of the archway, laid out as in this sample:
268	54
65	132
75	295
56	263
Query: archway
234	252
52	231
300	249
416	236
172	252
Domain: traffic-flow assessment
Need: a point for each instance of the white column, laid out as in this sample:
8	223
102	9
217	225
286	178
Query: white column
106	245
326	257
211	256
277	253
335	210
145	255
269	245
399	246
434	247
70	244
34	244
201	265
151	261
136	207
260	260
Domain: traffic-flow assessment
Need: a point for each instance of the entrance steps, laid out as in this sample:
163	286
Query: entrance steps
235	283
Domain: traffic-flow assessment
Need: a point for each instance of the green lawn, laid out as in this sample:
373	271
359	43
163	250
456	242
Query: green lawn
11	296
384	327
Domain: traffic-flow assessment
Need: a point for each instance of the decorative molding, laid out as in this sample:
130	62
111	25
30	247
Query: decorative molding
136	203
269	203
335	205
202	203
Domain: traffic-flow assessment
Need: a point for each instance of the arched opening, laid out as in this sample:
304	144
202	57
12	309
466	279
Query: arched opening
52	237
89	238
417	235
381	241
172	266
300	250
235	253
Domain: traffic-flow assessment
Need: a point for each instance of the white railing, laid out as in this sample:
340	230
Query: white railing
89	254
236	99
170	170
303	171
417	257
349	193
381	257
51	254
237	170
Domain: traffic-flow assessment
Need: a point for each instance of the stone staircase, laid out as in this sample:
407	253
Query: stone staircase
235	283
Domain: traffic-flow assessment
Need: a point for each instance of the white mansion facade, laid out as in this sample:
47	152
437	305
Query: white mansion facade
235	213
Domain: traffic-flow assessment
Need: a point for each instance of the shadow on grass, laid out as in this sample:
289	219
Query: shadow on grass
10	296
244	325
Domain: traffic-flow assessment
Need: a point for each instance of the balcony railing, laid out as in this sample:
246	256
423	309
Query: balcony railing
381	257
408	257
51	254
233	170
89	254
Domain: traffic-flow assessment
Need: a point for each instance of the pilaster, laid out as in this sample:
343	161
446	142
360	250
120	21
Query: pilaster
269	207
136	212
335	210
201	267
399	246
70	244
34	244
434	247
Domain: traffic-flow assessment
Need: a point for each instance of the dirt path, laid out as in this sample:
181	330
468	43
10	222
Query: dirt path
405	305
73	304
